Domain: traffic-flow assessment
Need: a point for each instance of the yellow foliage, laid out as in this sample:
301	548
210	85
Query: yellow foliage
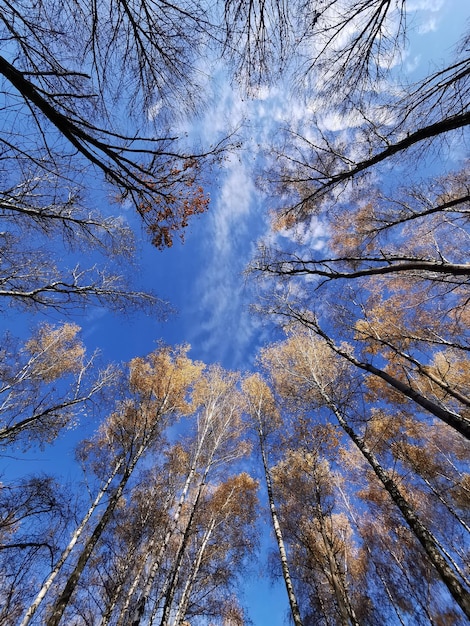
55	351
166	375
236	496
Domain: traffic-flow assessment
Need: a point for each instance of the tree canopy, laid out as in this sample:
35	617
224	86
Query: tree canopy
346	435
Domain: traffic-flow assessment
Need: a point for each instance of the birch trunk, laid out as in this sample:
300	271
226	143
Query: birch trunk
75	537
171	591
64	598
185	596
212	430
156	564
176	569
184	601
294	607
346	611
424	536
116	596
149	549
458	422
133	587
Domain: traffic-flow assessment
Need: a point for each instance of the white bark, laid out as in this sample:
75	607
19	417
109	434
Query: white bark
294	607
75	537
423	535
213	431
185	596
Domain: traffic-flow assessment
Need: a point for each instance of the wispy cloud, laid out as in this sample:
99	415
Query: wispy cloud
225	328
425	5
429	26
222	326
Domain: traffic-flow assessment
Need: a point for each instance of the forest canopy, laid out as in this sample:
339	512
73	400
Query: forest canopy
346	434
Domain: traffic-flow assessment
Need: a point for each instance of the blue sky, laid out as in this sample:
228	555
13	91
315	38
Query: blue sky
203	278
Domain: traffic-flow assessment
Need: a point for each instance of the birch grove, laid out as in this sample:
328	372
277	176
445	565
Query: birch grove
168	491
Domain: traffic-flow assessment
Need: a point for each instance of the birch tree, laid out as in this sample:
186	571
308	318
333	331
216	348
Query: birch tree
262	410
311	371
217	442
160	385
46	384
324	558
141	527
213	443
223	540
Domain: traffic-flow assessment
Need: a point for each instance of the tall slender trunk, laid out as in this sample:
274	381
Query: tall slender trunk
64	598
424	536
156	604
346	611
205	430
294	607
456	421
135	583
75	537
369	551
196	565
111	605
176	568
169	534
116	596
149	556
175	572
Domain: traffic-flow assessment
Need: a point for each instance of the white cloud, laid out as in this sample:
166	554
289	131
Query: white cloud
233	205
311	233
426	18
334	121
154	110
425	5
412	64
429	26
224	328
